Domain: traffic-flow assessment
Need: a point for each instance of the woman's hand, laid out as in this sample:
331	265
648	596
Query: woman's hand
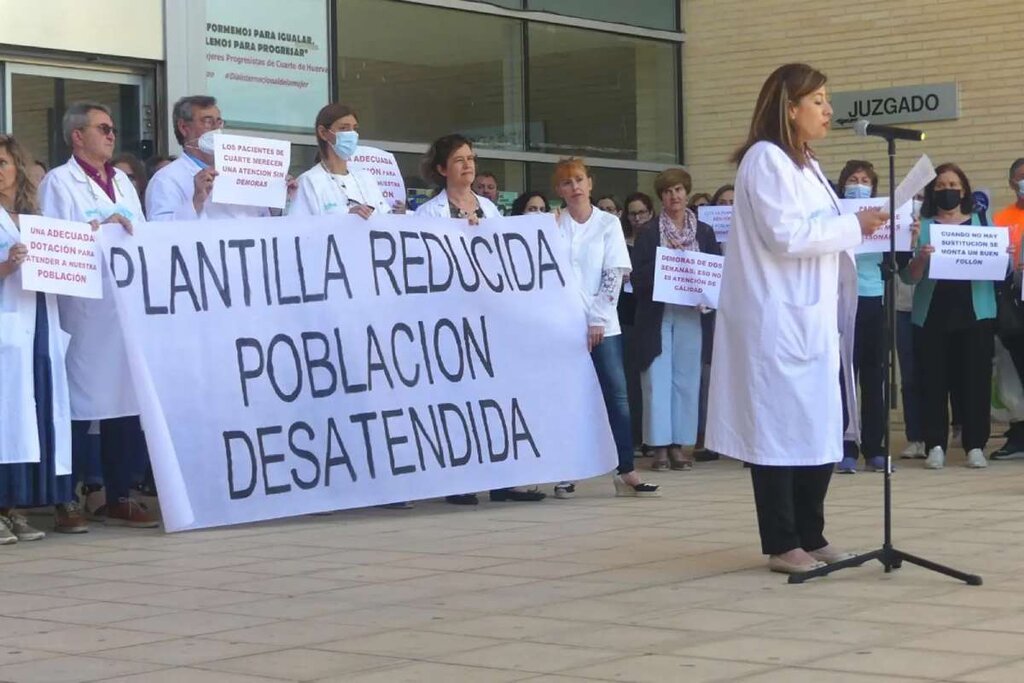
925	253
15	257
113	218
362	210
871	220
595	335
915	233
399	207
473	219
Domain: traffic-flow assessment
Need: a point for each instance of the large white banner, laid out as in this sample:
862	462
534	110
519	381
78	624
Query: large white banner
294	365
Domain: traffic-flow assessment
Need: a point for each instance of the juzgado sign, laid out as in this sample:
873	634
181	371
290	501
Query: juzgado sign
904	104
291	365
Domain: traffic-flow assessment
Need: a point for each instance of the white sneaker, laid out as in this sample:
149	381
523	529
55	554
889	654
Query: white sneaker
936	459
976	459
914	449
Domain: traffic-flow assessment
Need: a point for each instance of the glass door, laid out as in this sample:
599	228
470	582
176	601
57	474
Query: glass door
37	97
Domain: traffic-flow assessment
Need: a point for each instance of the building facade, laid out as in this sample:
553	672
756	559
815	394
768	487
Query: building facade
634	86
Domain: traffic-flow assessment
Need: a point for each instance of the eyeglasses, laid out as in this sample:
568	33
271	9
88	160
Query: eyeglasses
638	214
105	128
212	121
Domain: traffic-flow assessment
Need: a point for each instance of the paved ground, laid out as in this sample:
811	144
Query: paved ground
597	588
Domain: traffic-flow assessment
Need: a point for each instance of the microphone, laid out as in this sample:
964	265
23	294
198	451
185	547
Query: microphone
865	128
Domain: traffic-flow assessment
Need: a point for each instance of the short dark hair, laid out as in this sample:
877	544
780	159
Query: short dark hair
928	208
1014	167
438	154
642	197
612	199
717	196
519	205
671	177
182	111
486	174
853	166
326	118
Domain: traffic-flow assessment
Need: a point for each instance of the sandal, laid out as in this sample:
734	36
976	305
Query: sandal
661	461
640	490
678	460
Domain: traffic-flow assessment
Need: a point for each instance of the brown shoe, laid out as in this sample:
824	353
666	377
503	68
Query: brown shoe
68	519
128	512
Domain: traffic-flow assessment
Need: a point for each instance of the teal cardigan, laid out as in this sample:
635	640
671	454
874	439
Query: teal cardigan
983	292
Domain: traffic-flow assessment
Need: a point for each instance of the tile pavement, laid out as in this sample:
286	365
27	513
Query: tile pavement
593	589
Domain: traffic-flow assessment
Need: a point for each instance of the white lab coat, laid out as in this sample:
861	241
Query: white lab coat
171	190
19	433
774	389
437	207
98	373
321	193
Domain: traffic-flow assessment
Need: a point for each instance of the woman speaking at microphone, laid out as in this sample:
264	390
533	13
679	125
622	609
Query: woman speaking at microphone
775	398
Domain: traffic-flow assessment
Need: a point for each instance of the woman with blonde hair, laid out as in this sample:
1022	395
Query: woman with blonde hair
35	424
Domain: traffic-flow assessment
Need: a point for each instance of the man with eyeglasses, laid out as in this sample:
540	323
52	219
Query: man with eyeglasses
89	189
180	191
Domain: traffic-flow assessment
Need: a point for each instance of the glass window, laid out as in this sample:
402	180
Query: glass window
604	95
660	14
415	73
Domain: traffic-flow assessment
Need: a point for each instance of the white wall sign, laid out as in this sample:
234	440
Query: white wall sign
267	61
902	104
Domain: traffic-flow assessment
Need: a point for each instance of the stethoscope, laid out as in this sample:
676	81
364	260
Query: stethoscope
118	192
341	186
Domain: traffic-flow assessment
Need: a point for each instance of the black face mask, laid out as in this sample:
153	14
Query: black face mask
947	200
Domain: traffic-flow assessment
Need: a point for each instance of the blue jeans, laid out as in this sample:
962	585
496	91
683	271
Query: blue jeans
607	358
671	384
911	389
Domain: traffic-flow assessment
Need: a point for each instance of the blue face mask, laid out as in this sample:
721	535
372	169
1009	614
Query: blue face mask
857	191
345	143
1020	188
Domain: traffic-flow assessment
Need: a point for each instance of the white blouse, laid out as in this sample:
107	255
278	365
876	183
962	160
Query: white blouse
600	259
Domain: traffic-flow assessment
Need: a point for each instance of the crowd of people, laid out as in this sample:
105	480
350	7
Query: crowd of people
73	439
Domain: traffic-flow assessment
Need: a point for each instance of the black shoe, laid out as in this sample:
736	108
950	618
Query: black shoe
504	495
1009	451
462	499
705	455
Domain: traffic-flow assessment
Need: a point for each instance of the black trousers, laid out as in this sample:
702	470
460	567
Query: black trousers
951	360
790	506
869	365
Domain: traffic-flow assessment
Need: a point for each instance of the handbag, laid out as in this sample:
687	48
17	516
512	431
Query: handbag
1009	310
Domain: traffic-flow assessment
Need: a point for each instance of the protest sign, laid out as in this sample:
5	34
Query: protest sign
687	278
293	365
718	217
251	171
965	252
62	257
879	241
383	166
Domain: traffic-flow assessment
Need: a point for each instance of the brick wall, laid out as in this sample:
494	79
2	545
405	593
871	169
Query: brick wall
732	46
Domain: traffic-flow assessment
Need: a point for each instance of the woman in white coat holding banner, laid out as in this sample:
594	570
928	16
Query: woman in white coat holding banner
450	164
332	186
775	399
35	419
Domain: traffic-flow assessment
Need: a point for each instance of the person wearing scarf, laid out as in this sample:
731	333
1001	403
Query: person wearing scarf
668	336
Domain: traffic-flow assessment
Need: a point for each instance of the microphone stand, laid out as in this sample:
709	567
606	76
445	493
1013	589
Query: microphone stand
890	556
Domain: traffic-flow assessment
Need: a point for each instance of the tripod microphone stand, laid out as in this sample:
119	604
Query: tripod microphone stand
890	556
